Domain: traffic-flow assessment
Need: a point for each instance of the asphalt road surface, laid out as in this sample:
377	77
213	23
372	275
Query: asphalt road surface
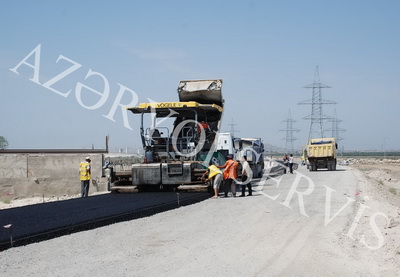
42	221
304	224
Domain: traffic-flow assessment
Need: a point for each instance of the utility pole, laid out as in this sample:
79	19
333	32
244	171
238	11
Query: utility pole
289	133
317	116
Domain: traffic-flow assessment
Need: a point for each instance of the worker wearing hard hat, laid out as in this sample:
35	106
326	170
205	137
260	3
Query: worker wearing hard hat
84	171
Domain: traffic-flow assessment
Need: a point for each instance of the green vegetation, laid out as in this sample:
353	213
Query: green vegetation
3	142
6	199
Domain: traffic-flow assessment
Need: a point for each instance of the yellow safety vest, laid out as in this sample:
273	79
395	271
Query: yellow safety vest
84	172
213	171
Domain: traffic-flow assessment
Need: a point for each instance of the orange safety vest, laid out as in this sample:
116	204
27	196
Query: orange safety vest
230	171
84	169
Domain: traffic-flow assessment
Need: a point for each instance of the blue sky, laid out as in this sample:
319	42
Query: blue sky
265	52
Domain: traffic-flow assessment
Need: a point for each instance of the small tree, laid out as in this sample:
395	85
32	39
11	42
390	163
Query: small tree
3	142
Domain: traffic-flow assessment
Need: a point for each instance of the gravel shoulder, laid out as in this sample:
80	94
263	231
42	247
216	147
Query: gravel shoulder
274	233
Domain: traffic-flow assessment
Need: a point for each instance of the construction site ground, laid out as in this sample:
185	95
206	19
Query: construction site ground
346	224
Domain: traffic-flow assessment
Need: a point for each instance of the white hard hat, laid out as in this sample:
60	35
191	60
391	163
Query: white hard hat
87	158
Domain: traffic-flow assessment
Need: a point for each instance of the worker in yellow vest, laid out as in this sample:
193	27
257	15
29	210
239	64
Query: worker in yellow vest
215	176
84	171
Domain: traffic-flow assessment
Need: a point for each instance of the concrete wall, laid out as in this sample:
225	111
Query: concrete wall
27	175
13	166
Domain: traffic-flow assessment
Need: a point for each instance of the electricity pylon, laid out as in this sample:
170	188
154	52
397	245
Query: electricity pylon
336	130
317	117
233	130
289	133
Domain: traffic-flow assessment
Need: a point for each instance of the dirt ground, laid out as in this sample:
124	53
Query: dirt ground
8	202
383	176
280	231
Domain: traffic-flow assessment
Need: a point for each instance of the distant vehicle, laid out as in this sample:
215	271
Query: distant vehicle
321	153
226	144
253	149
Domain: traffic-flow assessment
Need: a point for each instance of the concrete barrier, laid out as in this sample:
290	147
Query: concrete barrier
13	166
27	175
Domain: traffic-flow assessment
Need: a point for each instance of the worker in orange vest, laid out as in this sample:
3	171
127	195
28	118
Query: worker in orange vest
230	174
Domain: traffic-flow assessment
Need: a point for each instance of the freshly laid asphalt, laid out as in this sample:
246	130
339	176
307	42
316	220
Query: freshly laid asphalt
44	221
39	222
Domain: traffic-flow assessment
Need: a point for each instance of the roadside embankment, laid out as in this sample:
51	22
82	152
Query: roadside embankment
383	174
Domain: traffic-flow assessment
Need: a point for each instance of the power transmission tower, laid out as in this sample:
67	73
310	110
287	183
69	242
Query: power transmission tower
336	130
317	117
289	133
233	130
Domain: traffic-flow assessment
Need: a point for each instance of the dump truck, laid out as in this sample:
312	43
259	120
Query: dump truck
253	149
177	137
321	153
